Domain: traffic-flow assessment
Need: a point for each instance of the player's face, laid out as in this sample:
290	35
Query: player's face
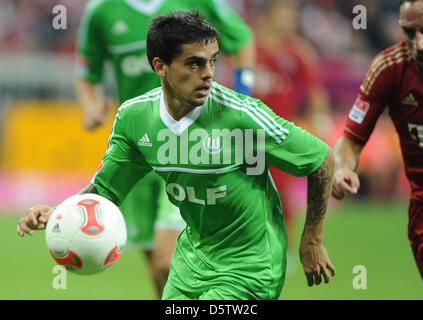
411	22
188	78
283	17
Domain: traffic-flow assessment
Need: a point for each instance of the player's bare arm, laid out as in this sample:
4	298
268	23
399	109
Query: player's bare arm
37	216
244	61
246	56
313	254
95	106
345	179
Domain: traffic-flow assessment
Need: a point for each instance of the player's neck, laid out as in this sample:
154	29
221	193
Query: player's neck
270	38
175	107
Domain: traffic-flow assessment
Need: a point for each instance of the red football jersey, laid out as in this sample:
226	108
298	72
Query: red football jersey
282	76
393	81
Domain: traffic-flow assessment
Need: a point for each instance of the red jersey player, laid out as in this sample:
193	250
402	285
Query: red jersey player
395	81
285	70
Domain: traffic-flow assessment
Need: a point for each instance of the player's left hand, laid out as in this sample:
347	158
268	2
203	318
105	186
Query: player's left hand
316	263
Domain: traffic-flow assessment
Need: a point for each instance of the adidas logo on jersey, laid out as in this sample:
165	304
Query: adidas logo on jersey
145	141
120	27
409	100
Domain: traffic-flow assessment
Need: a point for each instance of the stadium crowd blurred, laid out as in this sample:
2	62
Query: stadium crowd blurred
26	25
342	55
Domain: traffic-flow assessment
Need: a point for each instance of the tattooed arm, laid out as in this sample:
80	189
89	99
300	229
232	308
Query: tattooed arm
313	254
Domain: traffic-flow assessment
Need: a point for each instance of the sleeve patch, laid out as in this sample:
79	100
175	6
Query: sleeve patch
97	171
359	110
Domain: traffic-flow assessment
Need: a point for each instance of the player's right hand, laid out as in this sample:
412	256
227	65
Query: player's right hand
316	263
36	219
345	181
94	118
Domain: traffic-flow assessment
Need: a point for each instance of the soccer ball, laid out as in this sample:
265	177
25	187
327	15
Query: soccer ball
86	233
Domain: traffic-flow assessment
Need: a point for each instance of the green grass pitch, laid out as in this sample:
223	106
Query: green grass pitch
373	235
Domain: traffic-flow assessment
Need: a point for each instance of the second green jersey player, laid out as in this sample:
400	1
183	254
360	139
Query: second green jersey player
116	30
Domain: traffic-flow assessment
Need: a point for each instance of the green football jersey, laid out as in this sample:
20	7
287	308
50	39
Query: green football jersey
116	30
215	165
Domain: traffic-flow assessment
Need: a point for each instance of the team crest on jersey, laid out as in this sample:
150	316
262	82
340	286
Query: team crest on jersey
359	110
409	100
213	145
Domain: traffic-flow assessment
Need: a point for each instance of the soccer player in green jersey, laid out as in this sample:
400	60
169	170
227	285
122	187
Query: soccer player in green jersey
212	146
116	30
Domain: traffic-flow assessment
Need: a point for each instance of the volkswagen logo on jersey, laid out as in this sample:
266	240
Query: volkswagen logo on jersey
213	145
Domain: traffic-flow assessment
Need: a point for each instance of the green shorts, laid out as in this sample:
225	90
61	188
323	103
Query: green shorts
223	291
195	279
146	209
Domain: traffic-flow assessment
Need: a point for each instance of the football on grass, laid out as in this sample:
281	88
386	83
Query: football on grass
86	233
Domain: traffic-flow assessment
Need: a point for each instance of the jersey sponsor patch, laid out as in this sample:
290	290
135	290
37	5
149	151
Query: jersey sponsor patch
359	110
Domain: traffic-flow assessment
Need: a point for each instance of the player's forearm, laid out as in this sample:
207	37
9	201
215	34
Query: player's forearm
318	100
244	63
346	154
245	58
319	187
319	112
89	94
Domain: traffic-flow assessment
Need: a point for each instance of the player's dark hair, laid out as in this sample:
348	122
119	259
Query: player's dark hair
168	33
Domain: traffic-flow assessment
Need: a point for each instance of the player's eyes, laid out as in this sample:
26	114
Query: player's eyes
213	61
409	32
194	65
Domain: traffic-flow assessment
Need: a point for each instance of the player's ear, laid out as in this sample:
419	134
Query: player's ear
159	66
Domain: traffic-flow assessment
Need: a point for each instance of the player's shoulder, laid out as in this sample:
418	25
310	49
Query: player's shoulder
239	105
391	57
395	54
142	103
386	66
229	97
